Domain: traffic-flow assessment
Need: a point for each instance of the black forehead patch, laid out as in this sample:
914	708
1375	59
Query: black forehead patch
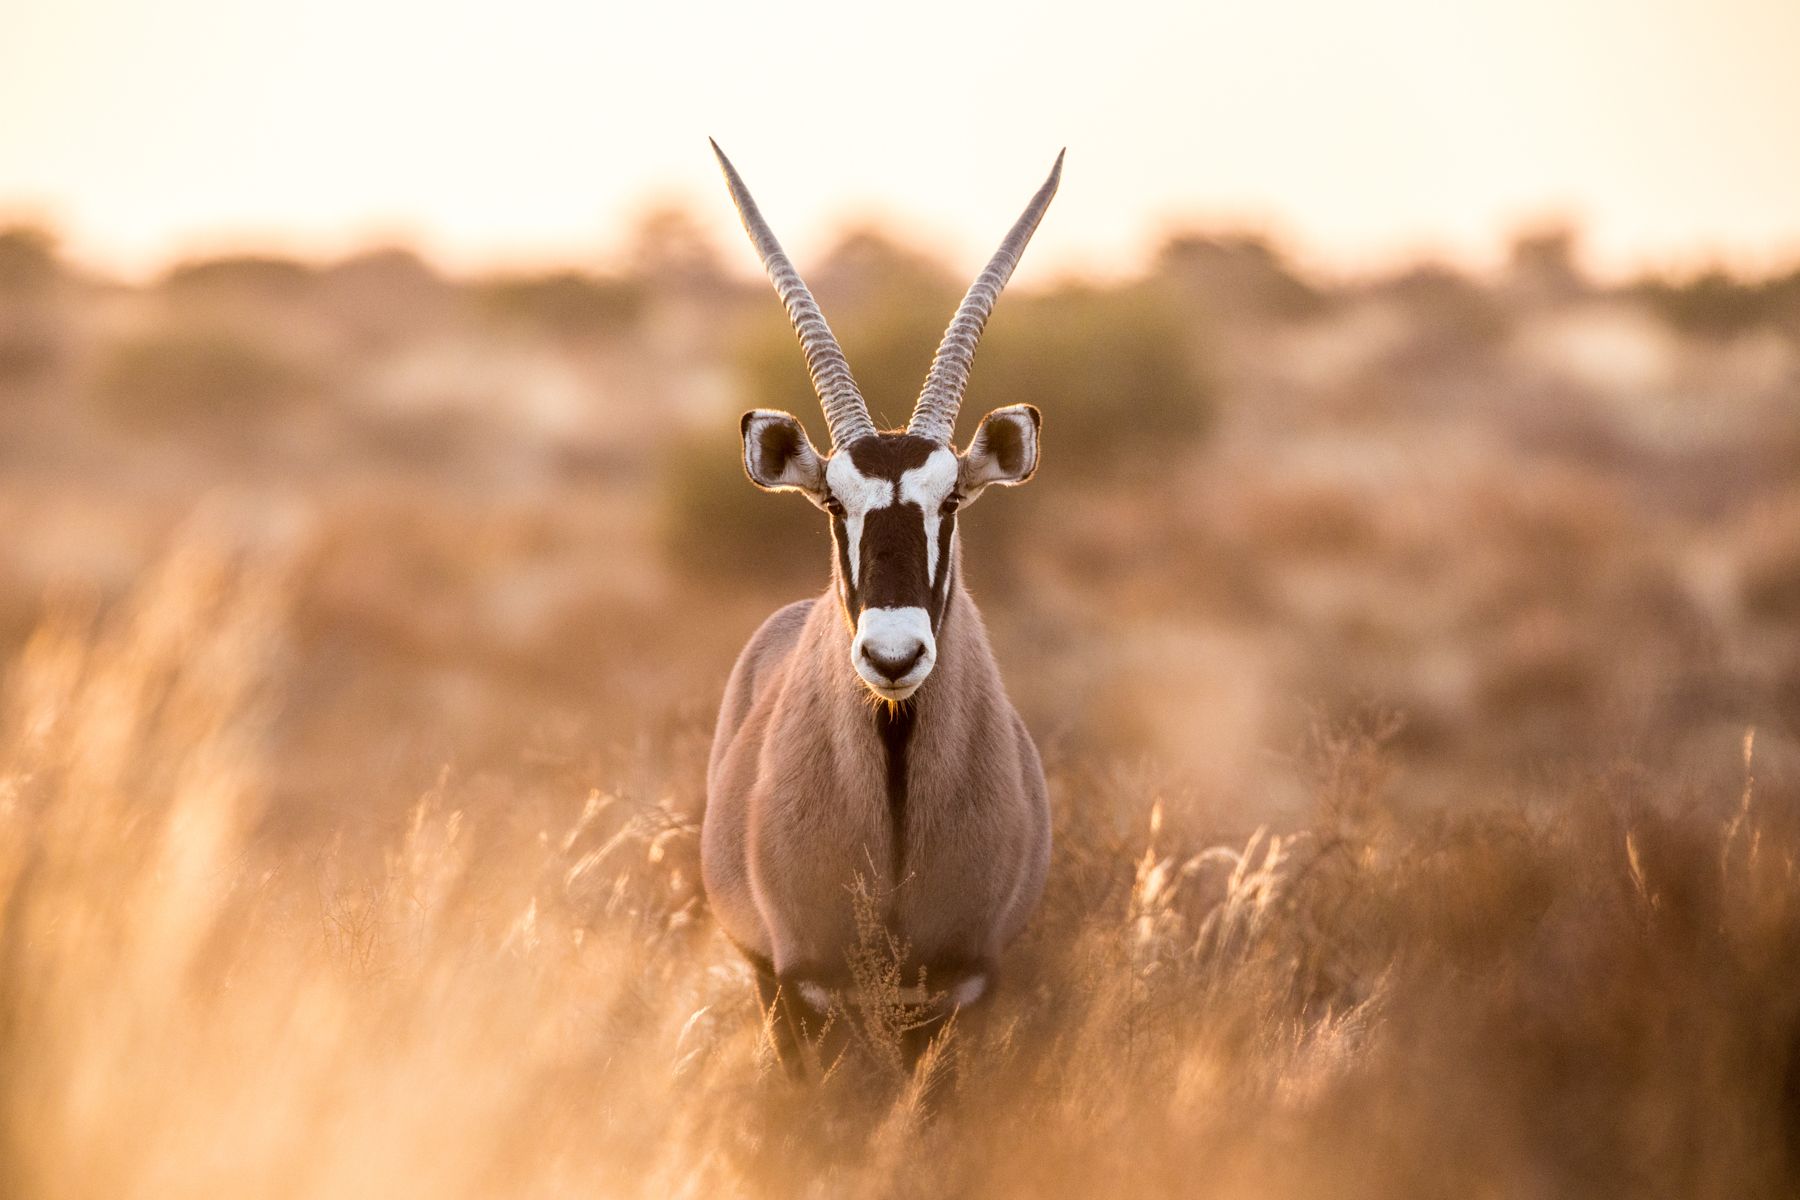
890	455
893	559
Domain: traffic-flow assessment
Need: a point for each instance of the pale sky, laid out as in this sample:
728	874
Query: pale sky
532	131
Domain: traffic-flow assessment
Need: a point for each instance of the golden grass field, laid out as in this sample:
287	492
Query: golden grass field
1416	662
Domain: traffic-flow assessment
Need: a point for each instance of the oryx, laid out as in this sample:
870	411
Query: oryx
865	732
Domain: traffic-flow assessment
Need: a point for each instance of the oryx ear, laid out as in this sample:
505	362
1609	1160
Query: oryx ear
1004	451
778	456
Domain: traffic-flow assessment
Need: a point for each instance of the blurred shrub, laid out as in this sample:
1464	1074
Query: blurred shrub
1239	275
195	381
28	262
1525	678
30	330
30	342
1311	520
1770	586
1115	371
564	304
866	271
1541	262
1719	305
1452	315
715	523
253	276
669	248
384	296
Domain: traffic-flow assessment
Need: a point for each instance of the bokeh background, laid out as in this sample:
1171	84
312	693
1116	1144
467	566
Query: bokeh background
1422	439
1548	520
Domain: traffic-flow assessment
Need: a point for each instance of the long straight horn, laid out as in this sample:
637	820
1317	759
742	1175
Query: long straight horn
846	413
934	416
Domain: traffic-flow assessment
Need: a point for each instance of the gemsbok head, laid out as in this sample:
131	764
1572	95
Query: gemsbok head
933	800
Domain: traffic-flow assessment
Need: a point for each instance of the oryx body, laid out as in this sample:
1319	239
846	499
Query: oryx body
865	735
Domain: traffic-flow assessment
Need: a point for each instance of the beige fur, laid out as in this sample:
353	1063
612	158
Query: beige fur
797	801
801	803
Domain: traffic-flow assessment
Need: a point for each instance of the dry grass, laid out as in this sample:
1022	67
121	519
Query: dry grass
1592	997
1392	644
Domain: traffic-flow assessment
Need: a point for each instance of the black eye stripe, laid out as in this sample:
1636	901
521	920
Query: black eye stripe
840	543
940	592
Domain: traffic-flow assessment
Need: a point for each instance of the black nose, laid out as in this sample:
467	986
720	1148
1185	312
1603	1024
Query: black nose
894	668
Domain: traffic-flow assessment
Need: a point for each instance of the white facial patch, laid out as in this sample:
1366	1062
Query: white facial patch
965	993
893	635
970	989
858	493
817	996
927	486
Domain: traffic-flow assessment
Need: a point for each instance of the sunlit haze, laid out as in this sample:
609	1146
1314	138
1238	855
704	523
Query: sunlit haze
1307	708
534	131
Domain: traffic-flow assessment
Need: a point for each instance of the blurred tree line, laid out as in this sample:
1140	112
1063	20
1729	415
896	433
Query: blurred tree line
246	348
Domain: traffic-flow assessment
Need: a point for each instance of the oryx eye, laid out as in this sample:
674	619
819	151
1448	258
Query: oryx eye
949	506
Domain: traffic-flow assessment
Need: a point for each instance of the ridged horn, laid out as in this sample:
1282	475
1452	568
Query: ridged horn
846	413
934	416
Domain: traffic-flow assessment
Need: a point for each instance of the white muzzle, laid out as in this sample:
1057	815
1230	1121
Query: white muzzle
893	650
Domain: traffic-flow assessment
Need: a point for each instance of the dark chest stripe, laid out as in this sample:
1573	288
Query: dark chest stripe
894	724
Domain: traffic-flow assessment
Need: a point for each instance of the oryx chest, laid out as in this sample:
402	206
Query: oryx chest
928	837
